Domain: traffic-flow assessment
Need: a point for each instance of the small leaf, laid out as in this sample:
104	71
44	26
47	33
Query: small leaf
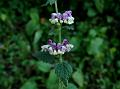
29	85
38	35
44	56
42	66
63	71
91	12
33	24
50	2
78	78
52	81
95	46
99	5
71	86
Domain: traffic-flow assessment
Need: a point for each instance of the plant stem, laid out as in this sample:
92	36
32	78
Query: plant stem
60	40
56	8
59	28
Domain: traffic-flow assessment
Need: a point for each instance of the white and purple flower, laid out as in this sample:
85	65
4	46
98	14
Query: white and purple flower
57	48
66	18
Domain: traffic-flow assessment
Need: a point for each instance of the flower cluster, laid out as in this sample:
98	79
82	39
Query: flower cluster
57	48
66	18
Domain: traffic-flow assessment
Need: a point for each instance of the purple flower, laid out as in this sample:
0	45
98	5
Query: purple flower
66	17
67	14
65	42
57	48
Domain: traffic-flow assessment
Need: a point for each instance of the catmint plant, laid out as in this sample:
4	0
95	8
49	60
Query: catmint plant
62	69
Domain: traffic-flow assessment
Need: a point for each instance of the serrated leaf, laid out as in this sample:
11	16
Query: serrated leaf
50	2
63	71
44	56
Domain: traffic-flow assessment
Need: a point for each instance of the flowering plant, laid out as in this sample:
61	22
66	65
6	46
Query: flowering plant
62	69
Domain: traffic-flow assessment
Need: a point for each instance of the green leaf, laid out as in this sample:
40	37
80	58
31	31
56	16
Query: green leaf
116	85
34	15
52	81
29	85
76	42
3	17
42	66
71	86
31	27
78	78
33	24
95	46
50	2
99	5
63	71
91	12
44	56
38	35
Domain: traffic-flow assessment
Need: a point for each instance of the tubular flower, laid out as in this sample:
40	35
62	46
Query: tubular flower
57	48
66	18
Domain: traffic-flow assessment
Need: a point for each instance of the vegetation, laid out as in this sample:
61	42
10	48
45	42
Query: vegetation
25	27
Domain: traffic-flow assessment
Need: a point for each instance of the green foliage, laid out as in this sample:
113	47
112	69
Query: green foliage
99	5
42	66
29	85
52	81
24	28
44	56
78	77
63	71
50	2
71	86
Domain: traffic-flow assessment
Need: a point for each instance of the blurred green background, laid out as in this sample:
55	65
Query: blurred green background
25	26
